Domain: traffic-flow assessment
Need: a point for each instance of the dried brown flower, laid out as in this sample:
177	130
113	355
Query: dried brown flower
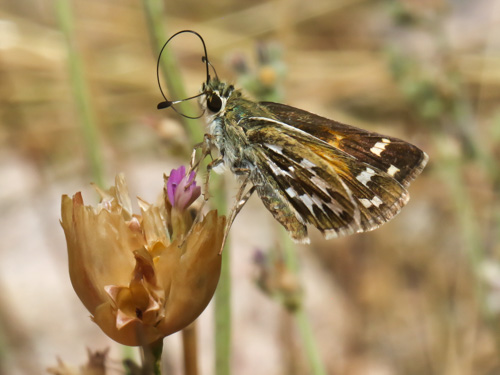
139	285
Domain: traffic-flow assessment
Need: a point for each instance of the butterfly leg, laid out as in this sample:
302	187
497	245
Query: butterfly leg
206	150
206	147
213	164
241	199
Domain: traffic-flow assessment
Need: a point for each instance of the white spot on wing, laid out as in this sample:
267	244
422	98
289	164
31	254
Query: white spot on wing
392	170
334	233
380	146
277	170
365	176
304	240
376	201
307	164
306	199
319	182
366	202
275	148
317	201
330	233
291	192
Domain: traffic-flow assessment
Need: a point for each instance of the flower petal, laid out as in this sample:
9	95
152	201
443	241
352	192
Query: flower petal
174	180
130	332
181	188
100	249
191	273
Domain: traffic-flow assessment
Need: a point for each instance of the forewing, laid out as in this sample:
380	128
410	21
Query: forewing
401	160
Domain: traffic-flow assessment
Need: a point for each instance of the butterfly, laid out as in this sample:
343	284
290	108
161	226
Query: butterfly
306	169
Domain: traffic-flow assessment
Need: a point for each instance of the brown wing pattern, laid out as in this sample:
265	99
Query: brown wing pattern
403	160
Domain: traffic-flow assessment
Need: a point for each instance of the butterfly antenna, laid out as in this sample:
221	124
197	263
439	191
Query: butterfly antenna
205	60
167	103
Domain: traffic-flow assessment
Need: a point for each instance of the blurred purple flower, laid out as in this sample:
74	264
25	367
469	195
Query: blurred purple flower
259	258
182	189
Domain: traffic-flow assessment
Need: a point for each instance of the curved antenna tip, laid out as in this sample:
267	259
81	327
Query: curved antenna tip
164	105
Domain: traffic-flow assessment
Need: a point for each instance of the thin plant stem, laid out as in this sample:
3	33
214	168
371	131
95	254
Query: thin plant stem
127	353
309	343
223	294
80	91
290	252
155	14
151	357
189	343
299	313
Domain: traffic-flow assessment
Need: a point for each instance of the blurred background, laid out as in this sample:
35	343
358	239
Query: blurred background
420	295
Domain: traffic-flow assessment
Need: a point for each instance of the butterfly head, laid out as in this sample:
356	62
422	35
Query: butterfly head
214	96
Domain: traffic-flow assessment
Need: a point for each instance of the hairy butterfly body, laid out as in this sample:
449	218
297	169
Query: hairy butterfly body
307	169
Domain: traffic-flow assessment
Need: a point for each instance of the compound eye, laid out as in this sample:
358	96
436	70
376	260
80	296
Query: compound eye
214	103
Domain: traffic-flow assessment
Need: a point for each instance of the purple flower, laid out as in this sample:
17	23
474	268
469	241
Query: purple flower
260	258
182	189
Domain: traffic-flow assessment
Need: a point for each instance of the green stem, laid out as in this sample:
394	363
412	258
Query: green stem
290	252
309	342
127	353
223	294
223	318
80	91
152	357
305	330
155	14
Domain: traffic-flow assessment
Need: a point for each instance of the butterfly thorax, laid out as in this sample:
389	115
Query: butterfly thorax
226	111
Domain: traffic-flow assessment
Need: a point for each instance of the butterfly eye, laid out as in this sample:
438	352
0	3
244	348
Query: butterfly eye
214	103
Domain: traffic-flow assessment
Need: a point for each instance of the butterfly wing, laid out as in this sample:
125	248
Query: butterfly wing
398	158
293	192
338	190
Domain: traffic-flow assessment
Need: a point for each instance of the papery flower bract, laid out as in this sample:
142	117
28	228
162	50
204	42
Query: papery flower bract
181	188
139	286
96	365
